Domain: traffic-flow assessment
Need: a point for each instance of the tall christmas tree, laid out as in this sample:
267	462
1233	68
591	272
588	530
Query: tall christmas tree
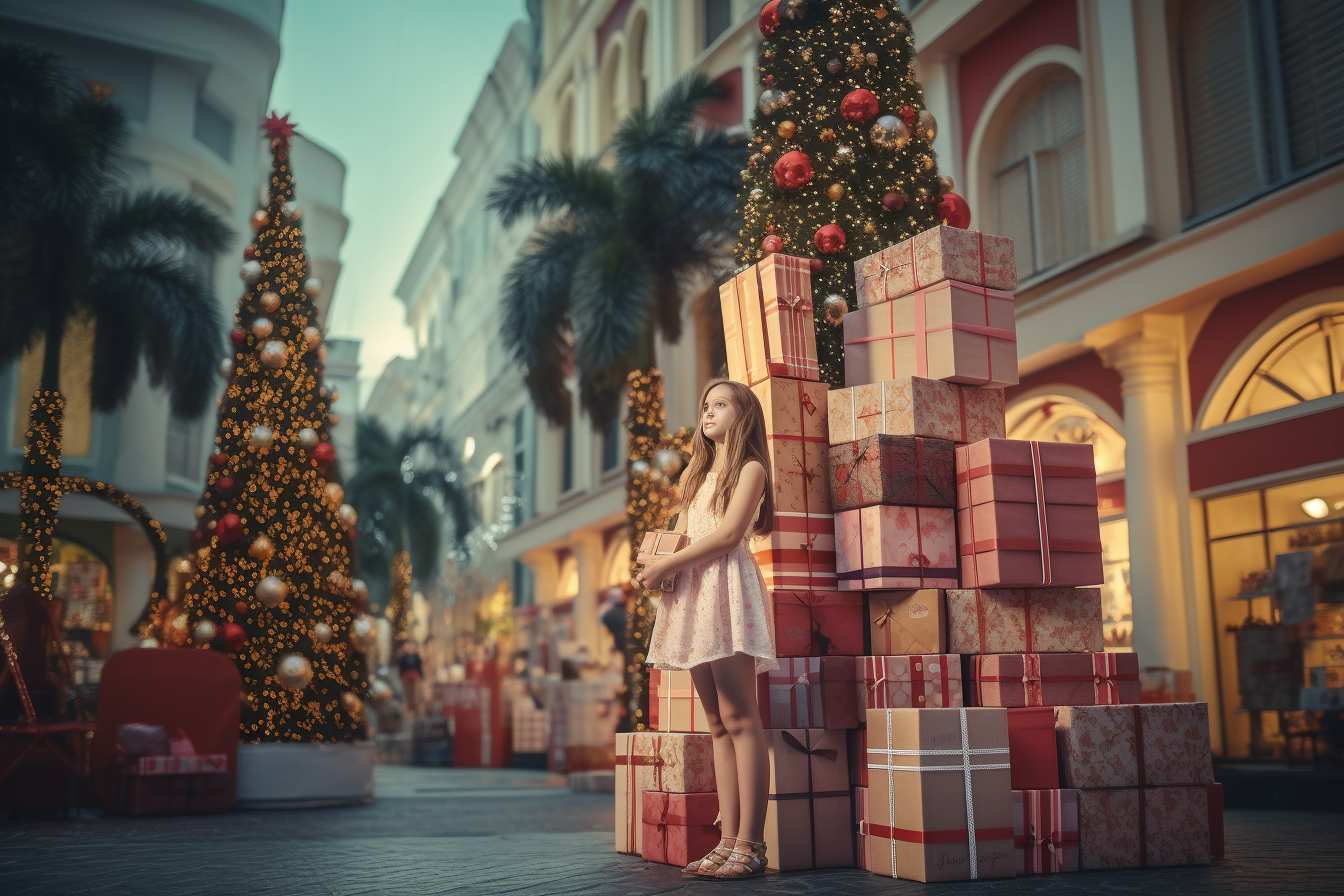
272	582
842	160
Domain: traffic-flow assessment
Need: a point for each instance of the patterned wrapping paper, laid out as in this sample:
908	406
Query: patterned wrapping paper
939	253
795	425
678	828
861	828
885	469
915	406
904	622
808	812
799	553
201	764
650	760
810	692
775	297
673	703
818	623
1045	830
1024	620
1143	827
1031	748
885	546
730	303
1098	745
1055	679
952	331
1267	665
922	681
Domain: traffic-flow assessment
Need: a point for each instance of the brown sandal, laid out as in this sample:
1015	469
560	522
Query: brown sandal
742	863
712	860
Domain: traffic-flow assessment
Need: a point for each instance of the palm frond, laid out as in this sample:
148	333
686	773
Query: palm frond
33	81
119	332
549	184
670	117
613	286
159	215
424	527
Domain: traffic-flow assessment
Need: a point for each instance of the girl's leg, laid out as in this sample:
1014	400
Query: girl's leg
725	763
738	714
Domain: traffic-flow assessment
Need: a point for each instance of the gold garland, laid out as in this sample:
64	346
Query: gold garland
399	597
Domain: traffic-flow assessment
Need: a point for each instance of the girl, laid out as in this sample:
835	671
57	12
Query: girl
717	622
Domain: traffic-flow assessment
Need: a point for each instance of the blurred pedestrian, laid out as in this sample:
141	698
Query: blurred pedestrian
412	672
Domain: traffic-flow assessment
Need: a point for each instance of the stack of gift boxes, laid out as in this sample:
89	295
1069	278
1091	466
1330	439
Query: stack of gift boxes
935	615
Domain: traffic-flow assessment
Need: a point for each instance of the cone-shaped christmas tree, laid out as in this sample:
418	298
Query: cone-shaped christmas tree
842	160
272	582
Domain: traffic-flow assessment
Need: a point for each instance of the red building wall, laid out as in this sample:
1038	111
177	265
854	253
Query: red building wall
1083	371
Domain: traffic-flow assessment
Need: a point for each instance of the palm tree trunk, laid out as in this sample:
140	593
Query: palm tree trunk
40	497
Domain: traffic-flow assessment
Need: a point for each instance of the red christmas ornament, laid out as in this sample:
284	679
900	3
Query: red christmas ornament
235	636
250	253
908	114
772	243
241	607
793	169
769	20
238	335
954	211
219	459
197	537
830	238
225	486
859	106
893	201
229	528
815	264
324	453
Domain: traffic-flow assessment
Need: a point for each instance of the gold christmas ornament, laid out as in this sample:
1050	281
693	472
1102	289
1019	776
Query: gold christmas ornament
322	354
200	511
925	125
261	438
262	327
270	301
333	494
835	308
312	337
347	515
148	643
927	161
274	354
352	703
294	671
787	129
870	58
946	184
272	591
261	548
843	154
184	567
312	287
889	132
359	590
338	581
363	632
836	192
668	462
308	438
322	633
639	468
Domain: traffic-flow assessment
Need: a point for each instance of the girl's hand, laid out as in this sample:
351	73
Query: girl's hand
656	568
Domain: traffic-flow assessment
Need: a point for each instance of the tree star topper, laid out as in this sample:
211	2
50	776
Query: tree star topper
278	127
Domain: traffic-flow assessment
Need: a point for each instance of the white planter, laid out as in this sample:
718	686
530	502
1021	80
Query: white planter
304	776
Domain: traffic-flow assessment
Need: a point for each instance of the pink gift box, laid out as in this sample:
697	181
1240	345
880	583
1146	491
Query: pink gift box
886	546
795	424
1024	620
1142	744
1143	827
939	253
774	320
1045	830
1055	679
678	827
810	692
926	681
915	406
799	552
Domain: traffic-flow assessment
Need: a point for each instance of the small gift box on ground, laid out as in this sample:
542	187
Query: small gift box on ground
1027	514
1054	679
920	681
915	406
673	703
767	311
648	760
795	426
885	546
861	828
176	785
808	813
905	622
799	552
1024	620
1045	830
952	331
818	623
1135	745
678	828
1031	748
810	692
1143	827
884	469
919	798
939	253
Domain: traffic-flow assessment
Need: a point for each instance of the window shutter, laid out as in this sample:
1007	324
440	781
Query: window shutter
1012	203
1075	229
1311	54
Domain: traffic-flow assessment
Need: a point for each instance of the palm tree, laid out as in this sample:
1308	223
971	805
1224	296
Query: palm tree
609	269
406	489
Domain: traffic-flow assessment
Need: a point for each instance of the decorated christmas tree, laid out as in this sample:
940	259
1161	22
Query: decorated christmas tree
842	160
271	580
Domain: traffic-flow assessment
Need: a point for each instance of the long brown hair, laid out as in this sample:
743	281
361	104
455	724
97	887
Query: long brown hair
746	441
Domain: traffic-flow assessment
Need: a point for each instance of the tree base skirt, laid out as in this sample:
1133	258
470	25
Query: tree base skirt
304	776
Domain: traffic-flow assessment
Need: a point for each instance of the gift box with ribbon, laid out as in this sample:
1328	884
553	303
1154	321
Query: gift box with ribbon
915	406
1143	827
478	726
767	311
905	622
531	727
809	692
1027	514
1031	748
1054	679
650	760
818	623
795	427
1024	620
808	813
886	546
1135	745
1045	830
939	253
799	552
939	802
678	828
884	469
952	331
673	703
920	681
861	828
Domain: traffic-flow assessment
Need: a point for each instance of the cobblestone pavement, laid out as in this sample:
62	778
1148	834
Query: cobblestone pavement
434	831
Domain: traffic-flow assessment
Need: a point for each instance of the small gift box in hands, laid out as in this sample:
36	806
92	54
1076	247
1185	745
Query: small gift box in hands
662	542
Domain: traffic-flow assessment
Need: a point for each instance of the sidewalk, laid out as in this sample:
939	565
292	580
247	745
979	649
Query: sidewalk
489	832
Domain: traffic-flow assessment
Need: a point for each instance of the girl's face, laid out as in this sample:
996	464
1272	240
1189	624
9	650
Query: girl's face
718	414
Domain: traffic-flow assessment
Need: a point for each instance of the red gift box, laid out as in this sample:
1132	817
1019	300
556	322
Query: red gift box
810	692
1031	748
1055	679
1143	827
478	725
678	827
885	469
922	681
1027	514
883	546
1045	829
818	623
1216	848
799	553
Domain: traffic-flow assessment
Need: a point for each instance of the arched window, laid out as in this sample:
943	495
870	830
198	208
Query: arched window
1039	184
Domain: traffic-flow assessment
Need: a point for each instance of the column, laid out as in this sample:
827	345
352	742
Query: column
132	575
1147	353
1122	154
545	566
588	551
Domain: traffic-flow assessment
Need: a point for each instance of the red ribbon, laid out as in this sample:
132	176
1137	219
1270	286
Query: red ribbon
980	618
1105	679
905	835
1043	810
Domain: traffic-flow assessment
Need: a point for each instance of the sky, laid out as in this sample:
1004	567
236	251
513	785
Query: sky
387	86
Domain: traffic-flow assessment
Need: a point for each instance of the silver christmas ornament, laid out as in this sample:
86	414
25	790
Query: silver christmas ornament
668	462
346	514
272	591
835	308
322	633
771	100
639	468
312	287
312	337
291	210
358	588
261	438
889	132
226	368
925	125
262	327
843	154
308	438
204	632
250	272
380	691
294	671
274	354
